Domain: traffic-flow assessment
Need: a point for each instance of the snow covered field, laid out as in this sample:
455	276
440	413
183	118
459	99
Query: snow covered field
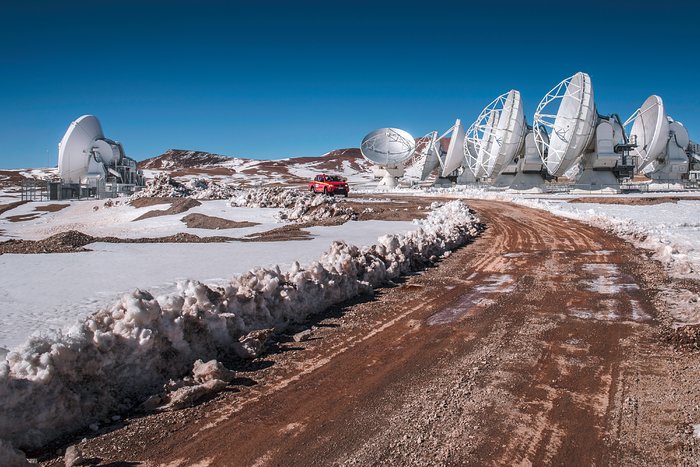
121	354
73	285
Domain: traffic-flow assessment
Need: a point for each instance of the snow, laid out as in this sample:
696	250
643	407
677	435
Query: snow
73	285
93	218
122	354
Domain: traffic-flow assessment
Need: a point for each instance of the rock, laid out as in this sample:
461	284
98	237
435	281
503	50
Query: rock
94	426
151	403
73	456
211	370
302	336
252	344
186	396
11	457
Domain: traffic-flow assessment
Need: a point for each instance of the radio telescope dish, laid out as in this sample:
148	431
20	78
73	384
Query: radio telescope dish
388	146
74	149
87	158
662	143
568	116
497	134
454	157
650	129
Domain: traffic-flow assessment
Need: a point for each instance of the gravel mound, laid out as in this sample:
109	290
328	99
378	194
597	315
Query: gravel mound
74	241
202	221
64	242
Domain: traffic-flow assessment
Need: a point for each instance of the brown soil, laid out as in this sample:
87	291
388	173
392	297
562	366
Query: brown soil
51	207
280	234
177	206
74	241
23	217
65	242
6	207
537	344
202	221
398	208
204	171
153	201
635	201
10	178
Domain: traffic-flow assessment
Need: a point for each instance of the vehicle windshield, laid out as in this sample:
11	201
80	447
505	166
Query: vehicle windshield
333	178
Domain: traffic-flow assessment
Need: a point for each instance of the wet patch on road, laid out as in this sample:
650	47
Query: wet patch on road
477	298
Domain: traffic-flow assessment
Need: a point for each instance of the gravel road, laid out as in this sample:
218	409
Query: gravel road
539	343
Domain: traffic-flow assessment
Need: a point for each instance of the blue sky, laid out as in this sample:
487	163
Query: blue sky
270	79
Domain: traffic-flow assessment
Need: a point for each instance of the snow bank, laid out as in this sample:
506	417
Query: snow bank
119	356
162	185
298	206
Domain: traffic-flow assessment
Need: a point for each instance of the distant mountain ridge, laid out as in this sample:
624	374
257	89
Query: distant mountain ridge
181	163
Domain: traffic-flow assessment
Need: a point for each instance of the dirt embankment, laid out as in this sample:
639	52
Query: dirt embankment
540	343
73	241
51	207
202	221
9	206
177	206
31	215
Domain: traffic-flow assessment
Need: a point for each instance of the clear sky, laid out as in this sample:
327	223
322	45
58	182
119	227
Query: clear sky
271	79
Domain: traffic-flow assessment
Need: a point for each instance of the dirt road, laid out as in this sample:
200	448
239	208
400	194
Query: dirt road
535	344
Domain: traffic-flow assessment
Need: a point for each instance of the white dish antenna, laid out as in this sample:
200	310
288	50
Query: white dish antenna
388	147
497	135
454	158
568	116
650	130
74	150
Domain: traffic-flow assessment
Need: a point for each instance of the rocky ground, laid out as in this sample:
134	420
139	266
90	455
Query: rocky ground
543	342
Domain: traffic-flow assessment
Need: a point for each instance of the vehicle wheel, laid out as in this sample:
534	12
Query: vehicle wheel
346	195
325	190
311	189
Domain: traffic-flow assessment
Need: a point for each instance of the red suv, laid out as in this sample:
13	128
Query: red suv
329	185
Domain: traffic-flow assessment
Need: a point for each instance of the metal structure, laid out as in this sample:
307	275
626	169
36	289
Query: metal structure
500	146
89	163
389	148
425	159
569	132
664	150
452	164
